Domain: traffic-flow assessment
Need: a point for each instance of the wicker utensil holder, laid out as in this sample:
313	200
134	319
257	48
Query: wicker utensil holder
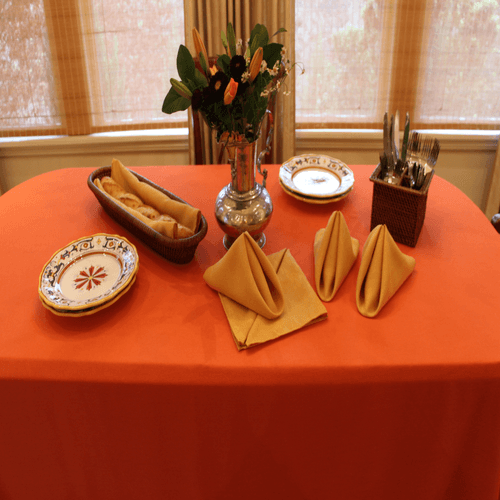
400	208
180	251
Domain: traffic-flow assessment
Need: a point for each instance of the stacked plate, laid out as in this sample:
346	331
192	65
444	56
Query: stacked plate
316	179
88	275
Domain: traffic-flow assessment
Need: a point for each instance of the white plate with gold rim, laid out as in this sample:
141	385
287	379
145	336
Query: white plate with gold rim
316	176
88	273
312	200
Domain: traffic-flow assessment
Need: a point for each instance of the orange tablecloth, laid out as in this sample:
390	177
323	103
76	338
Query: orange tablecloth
151	399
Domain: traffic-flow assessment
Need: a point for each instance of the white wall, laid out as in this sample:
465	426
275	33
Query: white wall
466	159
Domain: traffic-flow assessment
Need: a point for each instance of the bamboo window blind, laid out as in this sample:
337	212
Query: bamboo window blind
84	66
439	61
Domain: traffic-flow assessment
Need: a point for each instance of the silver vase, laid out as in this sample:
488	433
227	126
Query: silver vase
244	205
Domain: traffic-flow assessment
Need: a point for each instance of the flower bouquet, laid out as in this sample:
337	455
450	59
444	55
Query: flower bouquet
233	94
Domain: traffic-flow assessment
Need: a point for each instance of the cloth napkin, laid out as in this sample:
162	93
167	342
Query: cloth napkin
334	255
384	268
183	213
263	297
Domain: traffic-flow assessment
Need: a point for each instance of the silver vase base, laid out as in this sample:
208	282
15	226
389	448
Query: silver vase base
260	239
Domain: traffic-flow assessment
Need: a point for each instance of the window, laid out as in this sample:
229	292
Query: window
84	66
439	61
27	83
136	46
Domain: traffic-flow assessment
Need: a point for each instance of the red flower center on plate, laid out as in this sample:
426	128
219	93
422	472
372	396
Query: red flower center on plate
89	279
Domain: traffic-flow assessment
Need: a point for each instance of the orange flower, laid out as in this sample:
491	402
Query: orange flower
255	64
199	46
230	92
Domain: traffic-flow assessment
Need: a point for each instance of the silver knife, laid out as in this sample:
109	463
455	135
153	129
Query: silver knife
406	136
396	135
386	135
392	152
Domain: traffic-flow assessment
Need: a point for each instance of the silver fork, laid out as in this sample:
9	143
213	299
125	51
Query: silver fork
434	153
414	146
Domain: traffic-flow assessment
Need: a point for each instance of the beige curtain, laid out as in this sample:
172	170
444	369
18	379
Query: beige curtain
210	17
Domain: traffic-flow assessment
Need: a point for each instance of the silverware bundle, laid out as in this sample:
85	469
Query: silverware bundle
418	156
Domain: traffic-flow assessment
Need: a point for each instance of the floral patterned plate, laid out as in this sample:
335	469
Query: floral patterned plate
316	176
88	273
90	310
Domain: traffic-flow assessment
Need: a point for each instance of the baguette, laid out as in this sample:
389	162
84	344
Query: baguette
148	214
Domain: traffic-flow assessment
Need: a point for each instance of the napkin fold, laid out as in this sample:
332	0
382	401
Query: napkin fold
245	275
335	252
185	215
299	304
384	268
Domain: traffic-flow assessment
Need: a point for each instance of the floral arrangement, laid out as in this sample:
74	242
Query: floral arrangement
233	94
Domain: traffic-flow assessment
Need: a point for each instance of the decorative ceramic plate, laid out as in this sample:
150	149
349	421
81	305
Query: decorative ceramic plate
312	200
316	176
88	272
90	310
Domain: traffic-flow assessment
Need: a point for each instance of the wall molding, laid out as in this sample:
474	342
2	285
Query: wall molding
168	140
364	139
176	140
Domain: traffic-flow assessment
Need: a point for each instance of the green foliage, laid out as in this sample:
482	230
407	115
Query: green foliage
281	30
272	53
258	38
185	64
173	102
244	113
231	39
223	63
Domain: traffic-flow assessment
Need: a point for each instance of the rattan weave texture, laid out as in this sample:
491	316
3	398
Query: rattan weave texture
180	251
401	209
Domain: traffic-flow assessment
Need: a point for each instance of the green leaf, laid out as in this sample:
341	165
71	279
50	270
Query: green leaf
272	53
231	39
258	38
200	80
185	64
203	62
224	39
281	30
181	88
223	63
174	102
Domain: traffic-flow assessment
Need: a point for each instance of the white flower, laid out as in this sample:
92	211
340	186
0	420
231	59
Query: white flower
263	66
245	76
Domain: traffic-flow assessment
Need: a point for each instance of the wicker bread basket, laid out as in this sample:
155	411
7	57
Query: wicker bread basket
180	251
400	208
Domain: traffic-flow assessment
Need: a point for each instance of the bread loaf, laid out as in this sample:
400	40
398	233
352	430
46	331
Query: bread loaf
136	206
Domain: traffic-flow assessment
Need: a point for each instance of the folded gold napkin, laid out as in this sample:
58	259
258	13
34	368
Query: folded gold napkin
384	268
334	255
167	216
245	275
238	280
